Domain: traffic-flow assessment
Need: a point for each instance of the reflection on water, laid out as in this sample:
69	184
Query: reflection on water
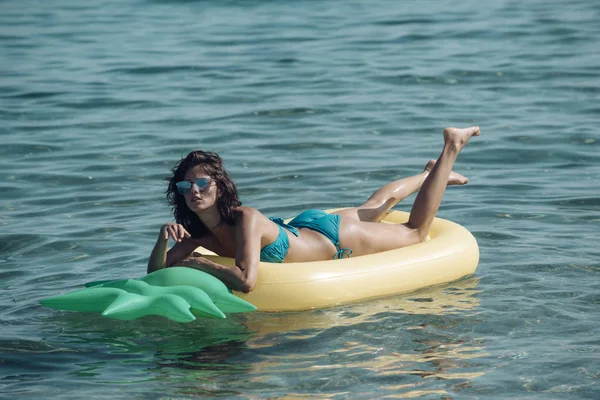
442	300
391	346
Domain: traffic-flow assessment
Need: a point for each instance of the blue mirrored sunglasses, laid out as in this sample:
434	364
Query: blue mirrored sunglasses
184	187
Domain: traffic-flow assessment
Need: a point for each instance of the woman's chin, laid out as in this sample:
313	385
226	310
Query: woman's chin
199	206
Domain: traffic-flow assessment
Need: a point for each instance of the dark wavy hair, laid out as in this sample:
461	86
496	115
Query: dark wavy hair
227	196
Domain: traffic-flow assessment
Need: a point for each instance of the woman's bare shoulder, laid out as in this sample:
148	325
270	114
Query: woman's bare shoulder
248	213
252	221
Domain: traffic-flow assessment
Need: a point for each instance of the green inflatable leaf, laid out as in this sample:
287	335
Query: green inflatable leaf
89	300
131	306
177	293
195	297
216	289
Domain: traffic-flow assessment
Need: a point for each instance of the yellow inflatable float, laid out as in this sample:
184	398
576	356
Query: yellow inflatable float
451	253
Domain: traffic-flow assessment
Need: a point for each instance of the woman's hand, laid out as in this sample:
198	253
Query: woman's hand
160	257
175	231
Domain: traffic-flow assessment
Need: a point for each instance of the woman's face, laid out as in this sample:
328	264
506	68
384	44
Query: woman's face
198	198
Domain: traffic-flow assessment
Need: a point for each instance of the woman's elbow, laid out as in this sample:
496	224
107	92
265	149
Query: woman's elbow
152	268
247	285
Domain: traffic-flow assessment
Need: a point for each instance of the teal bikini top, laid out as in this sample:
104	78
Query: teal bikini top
276	251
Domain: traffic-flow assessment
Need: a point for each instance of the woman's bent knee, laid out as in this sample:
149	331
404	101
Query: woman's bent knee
415	235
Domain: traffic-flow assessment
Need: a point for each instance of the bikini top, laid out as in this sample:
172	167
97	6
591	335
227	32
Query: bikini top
276	251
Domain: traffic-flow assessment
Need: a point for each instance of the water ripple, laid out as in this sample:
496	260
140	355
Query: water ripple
311	104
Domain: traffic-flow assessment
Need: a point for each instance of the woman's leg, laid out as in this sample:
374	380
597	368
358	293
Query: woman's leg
365	237
430	196
386	197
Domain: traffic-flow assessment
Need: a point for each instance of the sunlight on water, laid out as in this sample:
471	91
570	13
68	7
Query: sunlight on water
311	105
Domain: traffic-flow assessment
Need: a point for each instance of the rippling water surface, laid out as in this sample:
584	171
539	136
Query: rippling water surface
311	104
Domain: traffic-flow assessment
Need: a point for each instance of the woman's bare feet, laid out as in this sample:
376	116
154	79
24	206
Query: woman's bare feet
454	179
457	138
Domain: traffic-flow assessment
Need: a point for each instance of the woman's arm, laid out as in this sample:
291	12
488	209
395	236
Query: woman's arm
233	277
160	258
248	238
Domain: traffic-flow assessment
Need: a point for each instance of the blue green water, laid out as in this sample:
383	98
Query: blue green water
311	104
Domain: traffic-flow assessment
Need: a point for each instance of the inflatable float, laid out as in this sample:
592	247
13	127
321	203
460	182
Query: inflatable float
450	253
181	294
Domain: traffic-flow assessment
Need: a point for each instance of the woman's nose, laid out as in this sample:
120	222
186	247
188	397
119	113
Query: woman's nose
194	188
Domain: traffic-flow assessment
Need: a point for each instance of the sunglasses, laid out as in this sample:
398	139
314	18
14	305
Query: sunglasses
185	187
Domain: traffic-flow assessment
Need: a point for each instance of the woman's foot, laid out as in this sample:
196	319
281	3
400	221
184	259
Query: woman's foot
454	179
458	138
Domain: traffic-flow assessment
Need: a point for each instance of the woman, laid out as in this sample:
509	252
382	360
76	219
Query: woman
208	213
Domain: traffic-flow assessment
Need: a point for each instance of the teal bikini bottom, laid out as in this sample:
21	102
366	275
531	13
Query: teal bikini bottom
316	220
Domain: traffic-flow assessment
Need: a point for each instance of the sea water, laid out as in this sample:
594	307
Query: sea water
311	104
